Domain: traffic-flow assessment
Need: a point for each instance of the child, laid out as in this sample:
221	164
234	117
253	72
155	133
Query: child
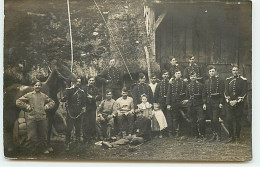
143	116
158	121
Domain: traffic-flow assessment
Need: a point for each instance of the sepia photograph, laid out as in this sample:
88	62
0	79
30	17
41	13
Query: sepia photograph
160	81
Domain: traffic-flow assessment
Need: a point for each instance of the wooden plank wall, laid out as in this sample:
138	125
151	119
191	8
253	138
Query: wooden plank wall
211	32
215	33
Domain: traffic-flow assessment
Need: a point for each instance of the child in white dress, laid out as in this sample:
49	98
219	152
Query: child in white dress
158	120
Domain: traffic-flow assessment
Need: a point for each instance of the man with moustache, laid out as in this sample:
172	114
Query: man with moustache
235	93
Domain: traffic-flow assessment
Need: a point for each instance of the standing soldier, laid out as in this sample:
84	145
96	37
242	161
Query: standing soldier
193	67
161	91
140	89
235	92
214	88
75	105
89	118
196	98
36	103
175	96
111	77
174	66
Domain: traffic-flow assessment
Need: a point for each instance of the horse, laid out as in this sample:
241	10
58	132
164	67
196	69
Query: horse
59	77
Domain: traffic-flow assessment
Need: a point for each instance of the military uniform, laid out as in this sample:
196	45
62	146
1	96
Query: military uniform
161	94
193	68
175	95
214	88
138	90
196	98
113	75
235	89
173	69
89	118
105	122
75	98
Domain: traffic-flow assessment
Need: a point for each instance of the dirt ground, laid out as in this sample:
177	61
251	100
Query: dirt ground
184	149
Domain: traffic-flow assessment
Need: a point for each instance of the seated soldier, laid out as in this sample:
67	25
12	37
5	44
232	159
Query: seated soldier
125	113
105	120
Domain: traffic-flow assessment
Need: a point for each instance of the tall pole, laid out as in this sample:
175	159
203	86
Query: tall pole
71	43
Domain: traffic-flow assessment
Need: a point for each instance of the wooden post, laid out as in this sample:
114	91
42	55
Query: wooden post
148	63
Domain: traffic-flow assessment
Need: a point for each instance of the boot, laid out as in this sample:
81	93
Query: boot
67	147
230	140
218	138
170	135
213	138
177	135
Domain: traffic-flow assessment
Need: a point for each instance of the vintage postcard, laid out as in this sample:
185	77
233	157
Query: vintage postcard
128	80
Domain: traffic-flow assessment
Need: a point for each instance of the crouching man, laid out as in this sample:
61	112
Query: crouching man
106	114
125	114
36	103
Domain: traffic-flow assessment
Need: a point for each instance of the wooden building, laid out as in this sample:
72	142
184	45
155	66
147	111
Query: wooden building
215	32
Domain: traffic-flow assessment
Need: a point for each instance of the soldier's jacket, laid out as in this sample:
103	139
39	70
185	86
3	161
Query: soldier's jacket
160	93
75	98
91	90
138	90
37	101
193	68
113	75
214	88
235	88
176	92
172	70
195	93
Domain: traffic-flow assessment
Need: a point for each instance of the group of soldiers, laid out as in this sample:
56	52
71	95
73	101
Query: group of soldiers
183	94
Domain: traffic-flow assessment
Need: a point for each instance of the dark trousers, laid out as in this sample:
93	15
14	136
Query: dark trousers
36	134
77	124
197	120
144	125
89	125
126	123
50	119
234	117
105	126
214	112
174	119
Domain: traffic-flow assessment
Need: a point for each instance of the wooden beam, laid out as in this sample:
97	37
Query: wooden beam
160	19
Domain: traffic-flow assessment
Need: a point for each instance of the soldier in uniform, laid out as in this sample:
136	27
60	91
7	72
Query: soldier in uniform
214	88
106	113
235	92
176	94
112	79
36	103
196	98
75	104
193	67
89	118
174	66
161	91
140	89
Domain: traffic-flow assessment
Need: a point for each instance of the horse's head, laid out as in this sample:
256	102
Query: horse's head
64	73
61	76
